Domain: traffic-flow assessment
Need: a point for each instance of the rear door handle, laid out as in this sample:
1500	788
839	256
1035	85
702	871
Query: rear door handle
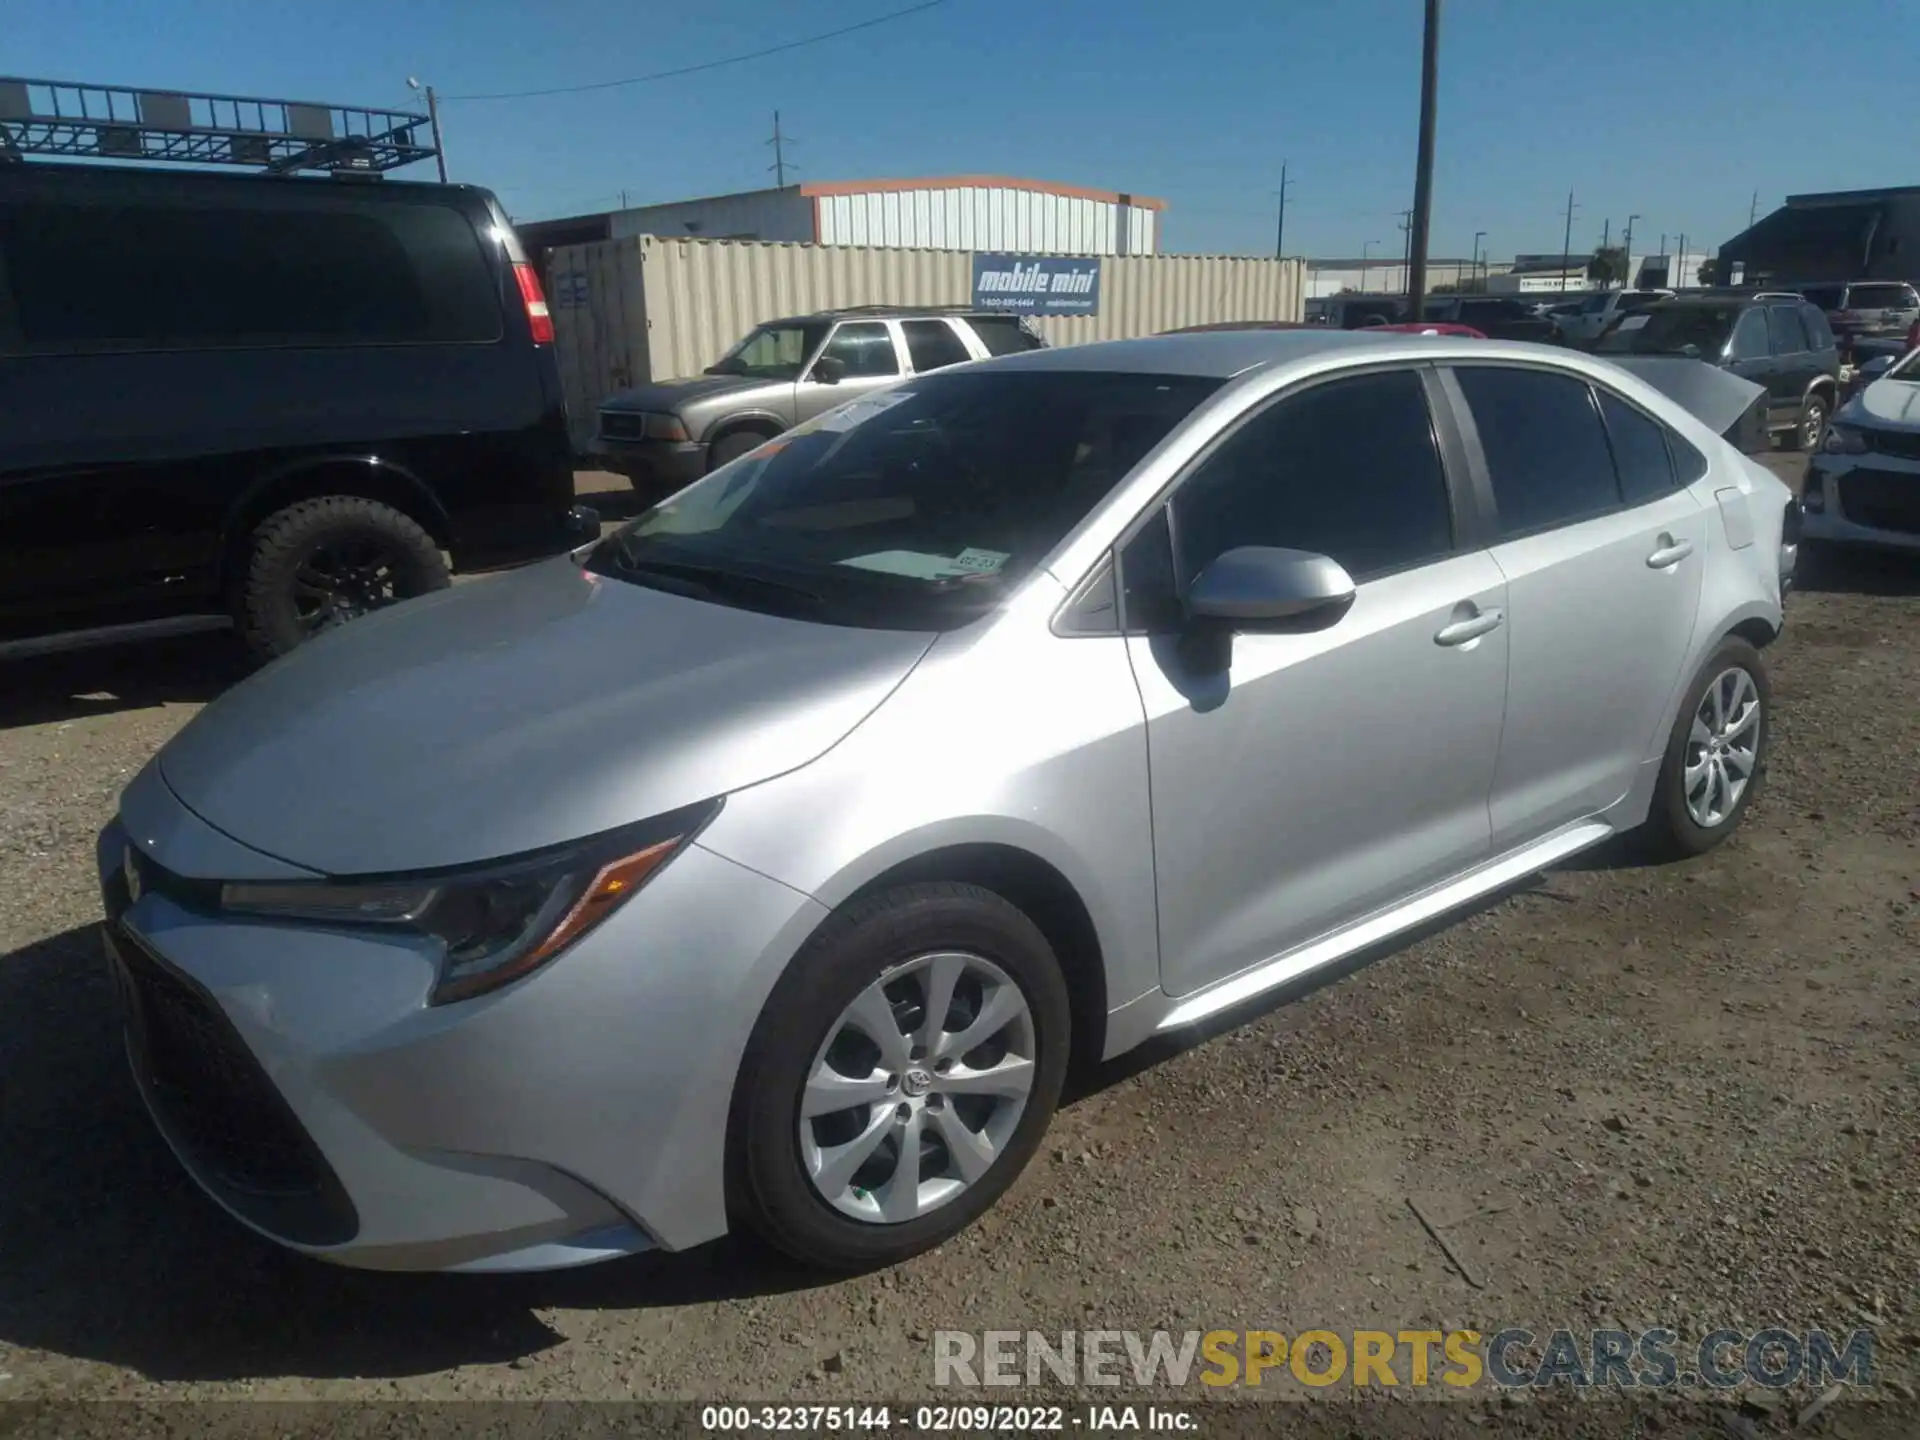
1670	553
1472	628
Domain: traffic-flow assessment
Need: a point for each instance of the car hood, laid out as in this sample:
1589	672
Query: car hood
521	711
1894	403
667	396
1717	398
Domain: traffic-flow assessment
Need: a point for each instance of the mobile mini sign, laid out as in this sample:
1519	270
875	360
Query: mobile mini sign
1037	285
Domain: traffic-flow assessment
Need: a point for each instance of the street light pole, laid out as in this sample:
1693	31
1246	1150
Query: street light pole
1280	230
1423	165
1478	236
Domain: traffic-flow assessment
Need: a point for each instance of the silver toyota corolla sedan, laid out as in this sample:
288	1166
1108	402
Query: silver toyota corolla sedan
769	862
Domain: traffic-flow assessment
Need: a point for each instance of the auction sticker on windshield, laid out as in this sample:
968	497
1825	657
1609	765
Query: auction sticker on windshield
922	566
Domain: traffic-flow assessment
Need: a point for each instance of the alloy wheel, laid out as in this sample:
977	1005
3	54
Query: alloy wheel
1722	748
1813	424
342	580
918	1087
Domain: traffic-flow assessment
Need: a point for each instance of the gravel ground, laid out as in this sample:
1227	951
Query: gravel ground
1682	1095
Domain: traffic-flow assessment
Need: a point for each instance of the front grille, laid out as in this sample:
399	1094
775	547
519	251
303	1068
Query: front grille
1901	443
220	1109
1884	502
623	425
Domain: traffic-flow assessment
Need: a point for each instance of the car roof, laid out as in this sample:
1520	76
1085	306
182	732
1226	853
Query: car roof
1222	354
891	312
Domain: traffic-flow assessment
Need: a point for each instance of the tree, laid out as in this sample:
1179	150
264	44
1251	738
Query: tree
1608	267
1709	272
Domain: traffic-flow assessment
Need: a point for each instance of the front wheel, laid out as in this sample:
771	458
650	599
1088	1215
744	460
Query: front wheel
900	1078
1711	768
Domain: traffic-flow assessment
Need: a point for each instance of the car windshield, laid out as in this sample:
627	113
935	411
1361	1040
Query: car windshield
918	507
1695	330
1907	370
772	352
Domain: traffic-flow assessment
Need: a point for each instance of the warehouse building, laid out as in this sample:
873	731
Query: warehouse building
1834	235
953	212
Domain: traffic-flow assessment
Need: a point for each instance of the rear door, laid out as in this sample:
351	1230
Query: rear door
1602	553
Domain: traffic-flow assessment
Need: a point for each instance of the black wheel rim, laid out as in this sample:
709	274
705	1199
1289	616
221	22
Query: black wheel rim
341	580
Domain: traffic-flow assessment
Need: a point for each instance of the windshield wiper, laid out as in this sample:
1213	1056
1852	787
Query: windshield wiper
714	582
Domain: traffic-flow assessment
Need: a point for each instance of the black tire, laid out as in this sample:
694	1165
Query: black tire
376	555
770	1190
1671	832
732	447
1814	412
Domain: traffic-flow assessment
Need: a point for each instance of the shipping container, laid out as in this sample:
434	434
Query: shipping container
649	307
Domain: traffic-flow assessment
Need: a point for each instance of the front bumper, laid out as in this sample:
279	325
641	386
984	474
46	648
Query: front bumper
673	464
302	1080
1863	500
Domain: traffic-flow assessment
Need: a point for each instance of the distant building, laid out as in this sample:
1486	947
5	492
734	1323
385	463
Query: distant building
953	212
1833	235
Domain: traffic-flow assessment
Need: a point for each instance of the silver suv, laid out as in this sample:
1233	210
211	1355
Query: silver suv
670	433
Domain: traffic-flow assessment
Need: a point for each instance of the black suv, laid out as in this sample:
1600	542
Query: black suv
1775	340
263	401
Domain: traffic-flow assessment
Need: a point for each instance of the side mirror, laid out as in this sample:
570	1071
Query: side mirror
829	370
1259	587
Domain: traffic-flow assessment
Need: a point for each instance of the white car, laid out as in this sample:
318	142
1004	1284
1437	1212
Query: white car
1582	325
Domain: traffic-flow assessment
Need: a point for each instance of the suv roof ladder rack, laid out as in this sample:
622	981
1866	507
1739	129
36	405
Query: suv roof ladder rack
112	122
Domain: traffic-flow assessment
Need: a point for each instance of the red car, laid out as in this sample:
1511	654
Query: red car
1425	327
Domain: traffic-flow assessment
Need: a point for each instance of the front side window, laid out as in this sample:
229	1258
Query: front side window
918	507
1818	330
1751	339
1348	469
772	352
1640	454
1546	449
932	345
866	350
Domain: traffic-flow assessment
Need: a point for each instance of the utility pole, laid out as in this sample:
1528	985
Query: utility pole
1406	245
1419	230
1478	236
779	143
1626	240
1566	244
1683	262
1280	230
433	124
1753	210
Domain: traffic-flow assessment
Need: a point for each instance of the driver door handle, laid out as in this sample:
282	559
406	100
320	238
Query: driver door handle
1472	628
1670	553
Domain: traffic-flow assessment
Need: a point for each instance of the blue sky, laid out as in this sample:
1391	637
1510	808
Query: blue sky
1676	109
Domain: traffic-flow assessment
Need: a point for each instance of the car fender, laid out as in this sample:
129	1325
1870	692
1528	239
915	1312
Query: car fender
379	477
757	418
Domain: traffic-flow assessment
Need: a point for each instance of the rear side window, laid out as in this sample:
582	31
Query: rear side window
1003	335
1789	335
1347	469
165	276
1546	449
1640	456
931	344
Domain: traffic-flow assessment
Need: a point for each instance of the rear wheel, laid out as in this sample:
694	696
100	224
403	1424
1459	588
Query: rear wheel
1813	423
1712	766
900	1077
320	563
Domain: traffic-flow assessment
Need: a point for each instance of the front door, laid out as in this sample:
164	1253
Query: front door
869	361
1750	356
1317	776
1602	552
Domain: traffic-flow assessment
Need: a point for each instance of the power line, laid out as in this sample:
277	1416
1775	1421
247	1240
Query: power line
709	64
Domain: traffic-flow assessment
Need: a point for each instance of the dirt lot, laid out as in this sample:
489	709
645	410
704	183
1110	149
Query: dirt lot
1686	1095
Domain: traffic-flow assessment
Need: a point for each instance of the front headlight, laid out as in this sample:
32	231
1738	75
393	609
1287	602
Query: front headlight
494	923
1844	440
664	427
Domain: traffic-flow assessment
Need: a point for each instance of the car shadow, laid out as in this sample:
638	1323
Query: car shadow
114	1256
1855	570
187	669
